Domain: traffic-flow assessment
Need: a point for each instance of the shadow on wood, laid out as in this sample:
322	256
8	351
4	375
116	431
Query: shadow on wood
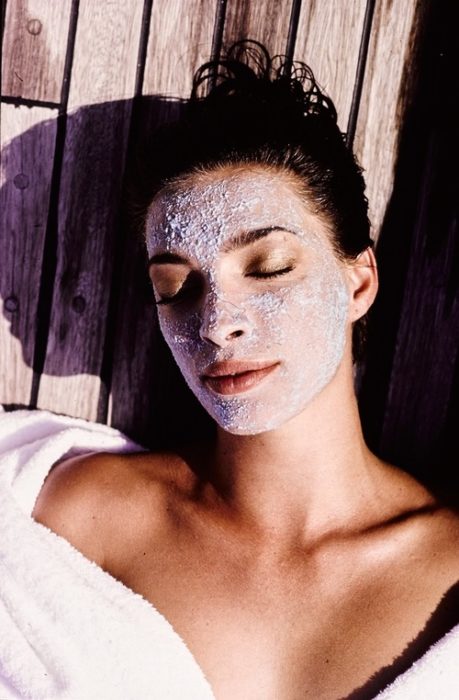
78	306
410	389
75	288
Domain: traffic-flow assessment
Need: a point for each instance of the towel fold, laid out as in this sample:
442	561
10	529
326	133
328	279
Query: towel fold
70	631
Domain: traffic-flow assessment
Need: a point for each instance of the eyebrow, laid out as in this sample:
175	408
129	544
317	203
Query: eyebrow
241	240
247	237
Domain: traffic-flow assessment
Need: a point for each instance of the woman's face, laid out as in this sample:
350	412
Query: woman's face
252	300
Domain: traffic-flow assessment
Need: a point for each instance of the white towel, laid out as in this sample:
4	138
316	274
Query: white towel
435	676
67	628
70	631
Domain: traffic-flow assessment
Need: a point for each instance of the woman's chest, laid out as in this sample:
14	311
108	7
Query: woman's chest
282	630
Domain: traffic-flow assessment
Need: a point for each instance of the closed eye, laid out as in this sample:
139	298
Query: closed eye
272	273
168	300
189	288
174	299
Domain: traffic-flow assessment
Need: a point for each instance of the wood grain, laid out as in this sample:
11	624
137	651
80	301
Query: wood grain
328	40
419	426
95	150
133	401
92	172
266	21
28	138
426	356
105	56
180	41
386	92
35	42
148	399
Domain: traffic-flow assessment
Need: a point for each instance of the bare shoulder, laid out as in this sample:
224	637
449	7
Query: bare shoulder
102	497
441	532
425	522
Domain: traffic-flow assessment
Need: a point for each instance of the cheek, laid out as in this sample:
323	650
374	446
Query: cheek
272	314
309	316
181	332
312	300
326	311
320	323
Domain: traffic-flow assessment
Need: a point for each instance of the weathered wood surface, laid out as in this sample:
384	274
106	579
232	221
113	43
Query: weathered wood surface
101	288
180	40
328	40
28	139
170	65
35	42
93	163
134	366
266	21
421	413
386	92
105	55
427	352
410	390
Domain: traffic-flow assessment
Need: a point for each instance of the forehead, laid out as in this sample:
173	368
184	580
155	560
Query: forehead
201	213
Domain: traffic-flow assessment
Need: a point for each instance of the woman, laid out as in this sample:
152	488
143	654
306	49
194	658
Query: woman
291	561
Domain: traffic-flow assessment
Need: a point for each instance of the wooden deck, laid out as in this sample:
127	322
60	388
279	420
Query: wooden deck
80	79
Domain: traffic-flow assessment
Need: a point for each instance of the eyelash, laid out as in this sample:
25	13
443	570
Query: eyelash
258	275
274	273
167	300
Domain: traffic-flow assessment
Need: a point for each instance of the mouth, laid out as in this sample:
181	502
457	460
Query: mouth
237	382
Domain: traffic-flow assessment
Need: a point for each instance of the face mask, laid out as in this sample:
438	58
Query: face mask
294	322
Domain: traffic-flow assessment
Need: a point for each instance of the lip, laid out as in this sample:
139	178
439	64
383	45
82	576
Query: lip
233	377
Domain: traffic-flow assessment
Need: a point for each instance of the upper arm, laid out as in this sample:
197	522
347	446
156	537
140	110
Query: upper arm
71	504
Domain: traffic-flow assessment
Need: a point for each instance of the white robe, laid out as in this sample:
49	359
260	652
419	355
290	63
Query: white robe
71	631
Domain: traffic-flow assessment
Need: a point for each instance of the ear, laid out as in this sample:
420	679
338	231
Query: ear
362	275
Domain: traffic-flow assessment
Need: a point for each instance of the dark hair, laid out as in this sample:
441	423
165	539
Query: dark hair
249	108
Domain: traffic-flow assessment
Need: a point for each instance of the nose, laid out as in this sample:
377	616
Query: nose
222	321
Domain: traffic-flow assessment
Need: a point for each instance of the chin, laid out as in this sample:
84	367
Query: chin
241	423
255	427
246	430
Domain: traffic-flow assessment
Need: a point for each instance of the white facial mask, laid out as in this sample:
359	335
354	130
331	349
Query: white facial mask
301	324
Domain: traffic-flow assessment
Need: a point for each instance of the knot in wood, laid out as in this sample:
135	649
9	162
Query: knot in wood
78	304
21	181
34	26
11	304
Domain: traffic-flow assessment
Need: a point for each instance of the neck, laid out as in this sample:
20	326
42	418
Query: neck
307	477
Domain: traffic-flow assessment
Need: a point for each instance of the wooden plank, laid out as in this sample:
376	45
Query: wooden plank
134	401
266	21
149	399
106	47
104	71
146	385
386	93
427	350
34	48
328	40
180	41
28	140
